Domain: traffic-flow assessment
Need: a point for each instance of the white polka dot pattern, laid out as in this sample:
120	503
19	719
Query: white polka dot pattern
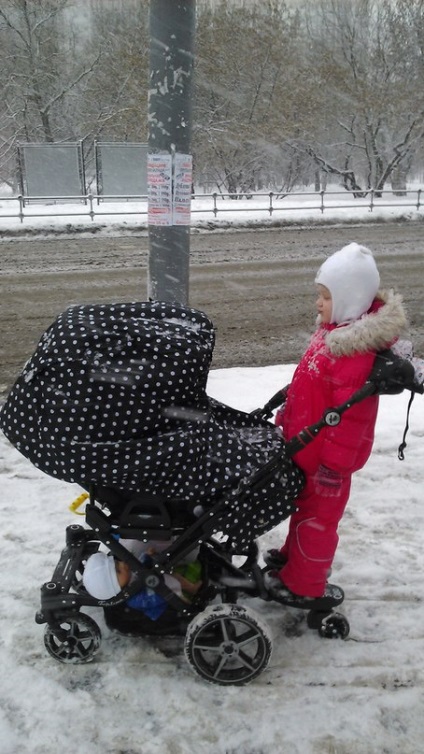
116	394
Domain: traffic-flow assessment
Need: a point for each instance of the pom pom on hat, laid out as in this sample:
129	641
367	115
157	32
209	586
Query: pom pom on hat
353	280
99	577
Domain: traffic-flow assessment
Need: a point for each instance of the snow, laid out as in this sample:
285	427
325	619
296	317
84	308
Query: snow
360	696
139	696
114	217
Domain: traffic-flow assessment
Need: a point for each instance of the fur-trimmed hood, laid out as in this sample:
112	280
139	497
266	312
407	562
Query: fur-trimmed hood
374	331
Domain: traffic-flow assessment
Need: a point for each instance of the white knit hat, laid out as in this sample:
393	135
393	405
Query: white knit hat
353	280
99	577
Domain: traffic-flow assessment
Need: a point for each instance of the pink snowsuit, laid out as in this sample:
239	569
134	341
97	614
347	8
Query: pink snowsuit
337	363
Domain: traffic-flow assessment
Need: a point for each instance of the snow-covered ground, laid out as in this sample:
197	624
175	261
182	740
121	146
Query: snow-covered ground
360	696
364	695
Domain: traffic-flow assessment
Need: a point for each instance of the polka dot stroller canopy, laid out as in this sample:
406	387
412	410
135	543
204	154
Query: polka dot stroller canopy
116	395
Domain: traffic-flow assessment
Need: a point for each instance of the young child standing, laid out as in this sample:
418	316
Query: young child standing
355	321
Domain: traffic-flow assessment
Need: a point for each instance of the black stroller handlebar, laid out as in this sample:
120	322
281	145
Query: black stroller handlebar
330	418
390	375
277	400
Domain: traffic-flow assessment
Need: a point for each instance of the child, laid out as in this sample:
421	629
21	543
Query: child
104	577
355	321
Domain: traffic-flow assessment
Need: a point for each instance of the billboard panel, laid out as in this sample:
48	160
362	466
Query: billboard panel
121	169
52	170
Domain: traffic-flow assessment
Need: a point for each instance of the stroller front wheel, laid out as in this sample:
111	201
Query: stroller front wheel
334	626
73	639
329	625
228	645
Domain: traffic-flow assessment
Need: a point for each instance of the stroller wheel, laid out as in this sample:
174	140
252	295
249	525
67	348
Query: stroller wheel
74	639
228	644
334	626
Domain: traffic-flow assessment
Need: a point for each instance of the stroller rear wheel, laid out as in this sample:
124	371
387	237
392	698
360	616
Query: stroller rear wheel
74	639
228	644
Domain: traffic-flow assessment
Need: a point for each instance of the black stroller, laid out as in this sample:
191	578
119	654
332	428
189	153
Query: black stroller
115	399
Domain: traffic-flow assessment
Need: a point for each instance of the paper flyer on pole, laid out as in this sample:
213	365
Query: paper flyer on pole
159	183
183	177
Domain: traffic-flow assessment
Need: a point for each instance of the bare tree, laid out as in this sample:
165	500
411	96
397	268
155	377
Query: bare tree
247	56
59	85
115	103
371	119
284	93
40	74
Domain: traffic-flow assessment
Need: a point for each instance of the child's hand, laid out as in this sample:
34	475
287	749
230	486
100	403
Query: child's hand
328	482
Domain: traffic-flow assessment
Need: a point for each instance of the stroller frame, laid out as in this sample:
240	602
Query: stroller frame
74	637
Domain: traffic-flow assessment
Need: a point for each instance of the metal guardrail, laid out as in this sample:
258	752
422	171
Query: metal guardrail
87	202
215	203
369	199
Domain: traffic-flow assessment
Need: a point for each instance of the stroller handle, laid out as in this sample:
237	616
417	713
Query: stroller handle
391	374
330	418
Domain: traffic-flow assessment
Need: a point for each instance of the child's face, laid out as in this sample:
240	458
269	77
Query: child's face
123	573
324	304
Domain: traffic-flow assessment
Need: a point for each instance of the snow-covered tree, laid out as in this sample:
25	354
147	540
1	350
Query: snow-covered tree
40	76
366	60
248	71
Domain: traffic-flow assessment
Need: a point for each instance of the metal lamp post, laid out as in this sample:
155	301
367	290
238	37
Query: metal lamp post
172	25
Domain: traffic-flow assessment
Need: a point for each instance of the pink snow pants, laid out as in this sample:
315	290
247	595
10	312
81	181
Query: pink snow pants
312	539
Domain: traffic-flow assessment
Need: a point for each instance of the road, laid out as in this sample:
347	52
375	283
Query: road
257	285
